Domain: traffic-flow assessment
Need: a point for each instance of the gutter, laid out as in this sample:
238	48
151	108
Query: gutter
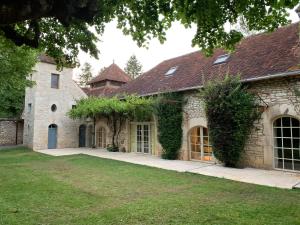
270	76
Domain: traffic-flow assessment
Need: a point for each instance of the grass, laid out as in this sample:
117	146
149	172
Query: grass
40	189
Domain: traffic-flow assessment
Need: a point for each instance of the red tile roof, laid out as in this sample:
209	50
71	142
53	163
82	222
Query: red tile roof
102	91
114	73
254	57
46	59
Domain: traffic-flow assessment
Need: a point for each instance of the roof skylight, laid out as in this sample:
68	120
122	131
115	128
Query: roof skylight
171	71
221	59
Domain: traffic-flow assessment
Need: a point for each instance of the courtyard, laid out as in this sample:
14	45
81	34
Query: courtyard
82	189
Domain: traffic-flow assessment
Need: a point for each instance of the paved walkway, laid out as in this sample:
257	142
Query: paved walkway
272	178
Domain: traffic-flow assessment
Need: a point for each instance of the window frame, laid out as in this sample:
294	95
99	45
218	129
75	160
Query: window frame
281	158
52	83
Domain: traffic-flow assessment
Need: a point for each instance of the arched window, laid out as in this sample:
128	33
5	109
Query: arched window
286	143
101	137
200	146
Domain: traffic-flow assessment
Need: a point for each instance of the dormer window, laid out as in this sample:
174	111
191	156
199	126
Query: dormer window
222	59
171	71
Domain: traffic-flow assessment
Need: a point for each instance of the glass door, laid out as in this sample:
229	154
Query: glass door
199	144
143	138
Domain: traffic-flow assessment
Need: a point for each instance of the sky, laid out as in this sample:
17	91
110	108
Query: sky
115	47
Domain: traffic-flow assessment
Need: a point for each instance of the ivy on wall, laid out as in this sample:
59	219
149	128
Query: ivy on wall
231	112
169	112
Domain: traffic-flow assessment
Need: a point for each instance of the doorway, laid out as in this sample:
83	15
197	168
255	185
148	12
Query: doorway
200	147
82	135
52	136
143	144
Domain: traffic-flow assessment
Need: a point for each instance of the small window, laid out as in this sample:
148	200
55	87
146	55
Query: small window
54	80
29	107
53	108
171	71
73	106
221	59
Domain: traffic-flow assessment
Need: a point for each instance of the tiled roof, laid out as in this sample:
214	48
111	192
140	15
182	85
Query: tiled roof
254	57
101	91
46	59
85	90
114	73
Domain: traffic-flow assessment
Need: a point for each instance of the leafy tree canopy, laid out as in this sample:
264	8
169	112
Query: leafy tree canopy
133	67
16	64
86	75
116	111
62	27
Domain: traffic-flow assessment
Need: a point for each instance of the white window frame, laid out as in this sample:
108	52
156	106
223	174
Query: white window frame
282	147
103	137
149	124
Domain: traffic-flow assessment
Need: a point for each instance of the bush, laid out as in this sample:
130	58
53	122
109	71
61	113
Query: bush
231	112
169	115
112	148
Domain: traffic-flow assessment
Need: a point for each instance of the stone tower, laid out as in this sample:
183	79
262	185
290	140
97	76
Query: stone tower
46	124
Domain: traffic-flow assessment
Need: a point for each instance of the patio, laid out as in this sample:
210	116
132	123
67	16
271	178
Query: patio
273	178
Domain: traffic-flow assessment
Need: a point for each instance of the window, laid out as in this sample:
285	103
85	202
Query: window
286	132
143	138
101	137
201	148
29	107
73	106
221	59
53	108
171	71
54	80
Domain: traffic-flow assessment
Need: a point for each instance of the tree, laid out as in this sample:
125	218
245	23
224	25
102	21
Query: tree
133	67
115	111
86	75
16	64
62	27
231	112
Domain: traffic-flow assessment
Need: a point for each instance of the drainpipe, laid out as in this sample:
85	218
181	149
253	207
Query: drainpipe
17	123
94	136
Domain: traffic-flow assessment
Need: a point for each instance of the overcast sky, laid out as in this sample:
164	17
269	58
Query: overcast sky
114	46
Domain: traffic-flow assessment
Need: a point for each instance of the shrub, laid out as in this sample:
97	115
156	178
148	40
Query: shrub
231	112
169	115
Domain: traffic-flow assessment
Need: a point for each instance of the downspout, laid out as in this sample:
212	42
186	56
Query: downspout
17	123
94	136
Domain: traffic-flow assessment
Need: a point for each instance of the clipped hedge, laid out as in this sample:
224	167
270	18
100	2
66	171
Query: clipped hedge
169	114
231	112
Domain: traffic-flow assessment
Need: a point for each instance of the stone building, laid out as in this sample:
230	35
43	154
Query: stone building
268	65
46	124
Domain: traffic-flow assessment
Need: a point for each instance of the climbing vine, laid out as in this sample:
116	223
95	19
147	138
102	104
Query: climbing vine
169	114
116	111
231	112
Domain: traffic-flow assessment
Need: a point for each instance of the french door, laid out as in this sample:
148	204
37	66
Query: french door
143	138
200	146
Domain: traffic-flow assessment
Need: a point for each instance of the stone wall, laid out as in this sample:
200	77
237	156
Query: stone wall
193	115
277	98
124	135
8	132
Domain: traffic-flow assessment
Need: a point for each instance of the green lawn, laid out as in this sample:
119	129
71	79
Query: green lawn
40	189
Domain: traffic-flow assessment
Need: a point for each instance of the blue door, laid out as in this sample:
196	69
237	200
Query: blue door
52	136
82	134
